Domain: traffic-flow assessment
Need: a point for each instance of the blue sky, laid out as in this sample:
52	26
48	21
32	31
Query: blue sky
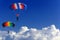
39	13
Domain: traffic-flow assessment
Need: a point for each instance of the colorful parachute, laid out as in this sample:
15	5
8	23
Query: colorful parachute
14	6
18	7
8	24
21	6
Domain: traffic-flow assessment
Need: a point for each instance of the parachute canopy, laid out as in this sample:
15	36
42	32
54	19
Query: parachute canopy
21	6
16	6
8	24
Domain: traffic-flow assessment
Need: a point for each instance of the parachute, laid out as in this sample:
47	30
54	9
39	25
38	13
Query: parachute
18	6
8	24
21	6
14	6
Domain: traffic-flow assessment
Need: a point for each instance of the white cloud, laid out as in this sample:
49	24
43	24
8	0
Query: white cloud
47	33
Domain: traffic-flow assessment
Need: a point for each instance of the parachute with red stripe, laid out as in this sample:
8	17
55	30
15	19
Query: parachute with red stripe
21	6
14	6
18	7
8	24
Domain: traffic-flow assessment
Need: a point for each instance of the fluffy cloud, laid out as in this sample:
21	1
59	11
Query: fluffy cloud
47	33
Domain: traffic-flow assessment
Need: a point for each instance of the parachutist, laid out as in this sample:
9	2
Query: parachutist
8	32
17	7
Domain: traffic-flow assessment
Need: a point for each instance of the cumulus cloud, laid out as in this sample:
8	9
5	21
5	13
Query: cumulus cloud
47	33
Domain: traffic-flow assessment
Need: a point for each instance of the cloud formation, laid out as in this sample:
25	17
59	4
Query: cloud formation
47	33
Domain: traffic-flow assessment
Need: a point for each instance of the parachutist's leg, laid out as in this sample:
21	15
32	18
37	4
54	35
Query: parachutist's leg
8	31
17	18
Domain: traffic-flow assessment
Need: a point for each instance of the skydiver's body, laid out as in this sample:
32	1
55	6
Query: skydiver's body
17	18
8	31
